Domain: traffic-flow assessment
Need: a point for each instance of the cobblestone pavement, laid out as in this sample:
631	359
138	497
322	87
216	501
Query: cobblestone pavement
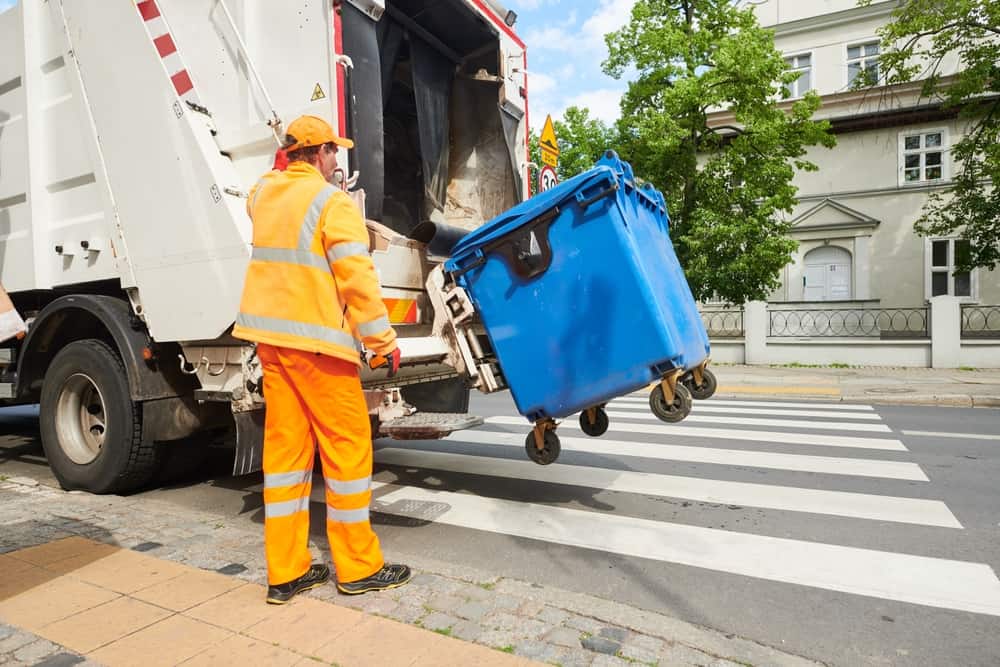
539	623
19	648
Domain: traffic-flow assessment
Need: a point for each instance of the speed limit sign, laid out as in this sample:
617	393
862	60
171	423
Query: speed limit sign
547	178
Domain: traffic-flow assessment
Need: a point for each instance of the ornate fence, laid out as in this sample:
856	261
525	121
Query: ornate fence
980	321
849	322
723	322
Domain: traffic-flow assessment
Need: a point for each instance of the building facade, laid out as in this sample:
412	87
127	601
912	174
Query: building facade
854	218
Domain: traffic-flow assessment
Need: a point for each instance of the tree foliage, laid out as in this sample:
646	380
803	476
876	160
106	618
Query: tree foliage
921	42
728	188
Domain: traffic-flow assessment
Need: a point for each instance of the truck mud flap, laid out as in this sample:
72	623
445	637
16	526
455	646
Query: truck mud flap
249	442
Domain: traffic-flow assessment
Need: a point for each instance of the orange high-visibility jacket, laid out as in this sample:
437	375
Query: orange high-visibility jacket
311	284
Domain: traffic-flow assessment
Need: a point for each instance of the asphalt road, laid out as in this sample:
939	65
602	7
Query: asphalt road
854	535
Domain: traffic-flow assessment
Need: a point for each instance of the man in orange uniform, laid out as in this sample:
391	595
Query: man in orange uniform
311	297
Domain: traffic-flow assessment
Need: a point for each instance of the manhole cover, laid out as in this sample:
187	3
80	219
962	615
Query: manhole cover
890	390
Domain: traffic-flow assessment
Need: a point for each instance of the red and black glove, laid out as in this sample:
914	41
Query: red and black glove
391	360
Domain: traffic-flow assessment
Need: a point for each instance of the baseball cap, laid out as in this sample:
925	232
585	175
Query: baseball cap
306	131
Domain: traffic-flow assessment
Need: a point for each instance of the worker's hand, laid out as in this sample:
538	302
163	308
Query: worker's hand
391	360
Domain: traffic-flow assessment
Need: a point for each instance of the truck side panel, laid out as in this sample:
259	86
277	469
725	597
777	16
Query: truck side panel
50	194
188	239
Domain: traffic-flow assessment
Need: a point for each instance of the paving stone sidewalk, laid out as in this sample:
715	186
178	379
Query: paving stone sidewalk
538	623
20	648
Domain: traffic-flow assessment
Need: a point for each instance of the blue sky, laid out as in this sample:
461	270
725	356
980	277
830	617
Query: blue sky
565	40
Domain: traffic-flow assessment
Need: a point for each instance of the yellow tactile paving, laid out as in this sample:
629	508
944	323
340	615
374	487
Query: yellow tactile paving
307	625
189	589
51	601
121	608
169	642
92	628
122	570
247	599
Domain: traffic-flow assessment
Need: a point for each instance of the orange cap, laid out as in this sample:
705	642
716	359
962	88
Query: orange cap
306	131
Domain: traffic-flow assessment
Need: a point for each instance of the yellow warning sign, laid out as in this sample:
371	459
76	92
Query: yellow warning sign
550	158
548	140
318	93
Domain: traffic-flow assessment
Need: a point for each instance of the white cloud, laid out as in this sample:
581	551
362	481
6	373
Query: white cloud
540	83
603	103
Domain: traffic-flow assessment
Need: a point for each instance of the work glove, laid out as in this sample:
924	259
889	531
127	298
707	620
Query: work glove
391	360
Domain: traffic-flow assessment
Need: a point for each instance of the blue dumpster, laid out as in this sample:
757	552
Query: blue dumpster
581	293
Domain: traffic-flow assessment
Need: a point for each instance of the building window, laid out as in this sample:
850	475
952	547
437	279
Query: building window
942	280
862	58
922	156
803	65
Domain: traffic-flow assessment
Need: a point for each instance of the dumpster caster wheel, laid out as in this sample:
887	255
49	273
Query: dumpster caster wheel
705	390
548	453
671	412
594	422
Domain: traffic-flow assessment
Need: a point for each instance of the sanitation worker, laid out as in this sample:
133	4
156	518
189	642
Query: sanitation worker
310	299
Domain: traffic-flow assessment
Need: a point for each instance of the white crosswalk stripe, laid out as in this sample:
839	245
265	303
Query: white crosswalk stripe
857	505
732	457
704	407
644	398
612	464
903	577
675	430
695	418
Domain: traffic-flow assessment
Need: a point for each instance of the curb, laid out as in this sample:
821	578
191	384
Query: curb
942	400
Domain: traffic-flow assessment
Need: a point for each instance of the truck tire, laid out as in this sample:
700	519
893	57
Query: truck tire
91	429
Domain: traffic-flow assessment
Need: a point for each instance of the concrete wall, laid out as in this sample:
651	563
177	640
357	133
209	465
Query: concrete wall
944	348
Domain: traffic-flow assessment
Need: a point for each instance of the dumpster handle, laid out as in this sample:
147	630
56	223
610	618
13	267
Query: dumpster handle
517	260
585	203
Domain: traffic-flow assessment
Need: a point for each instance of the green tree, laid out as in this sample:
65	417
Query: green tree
919	42
582	141
727	188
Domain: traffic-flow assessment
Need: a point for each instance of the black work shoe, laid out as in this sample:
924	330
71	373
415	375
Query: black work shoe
390	576
316	575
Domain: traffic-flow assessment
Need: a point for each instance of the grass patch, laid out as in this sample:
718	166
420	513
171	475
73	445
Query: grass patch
443	631
509	648
967	368
487	586
796	364
837	364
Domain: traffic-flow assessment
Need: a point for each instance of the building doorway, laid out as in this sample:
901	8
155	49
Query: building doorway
828	272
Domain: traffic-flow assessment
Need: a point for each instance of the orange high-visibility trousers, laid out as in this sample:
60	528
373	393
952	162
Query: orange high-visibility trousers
315	401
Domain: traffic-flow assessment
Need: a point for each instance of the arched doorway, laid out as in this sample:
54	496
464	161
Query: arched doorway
828	272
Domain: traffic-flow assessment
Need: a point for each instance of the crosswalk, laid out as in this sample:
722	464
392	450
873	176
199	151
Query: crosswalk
820	448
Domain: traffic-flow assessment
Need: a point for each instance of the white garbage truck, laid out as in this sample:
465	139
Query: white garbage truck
130	133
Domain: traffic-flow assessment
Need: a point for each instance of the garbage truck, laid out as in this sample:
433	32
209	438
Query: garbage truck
130	133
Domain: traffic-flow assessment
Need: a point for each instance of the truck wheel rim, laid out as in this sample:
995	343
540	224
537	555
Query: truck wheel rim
81	419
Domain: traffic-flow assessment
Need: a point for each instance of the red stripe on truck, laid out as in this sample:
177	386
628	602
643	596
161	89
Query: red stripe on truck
182	82
165	45
149	10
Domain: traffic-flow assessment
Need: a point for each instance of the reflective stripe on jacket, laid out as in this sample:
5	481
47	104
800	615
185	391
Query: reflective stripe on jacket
311	284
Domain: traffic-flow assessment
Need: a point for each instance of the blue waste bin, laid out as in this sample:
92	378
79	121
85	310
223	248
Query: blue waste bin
581	293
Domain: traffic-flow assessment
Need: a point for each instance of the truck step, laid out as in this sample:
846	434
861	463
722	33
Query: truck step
6	356
6	390
428	425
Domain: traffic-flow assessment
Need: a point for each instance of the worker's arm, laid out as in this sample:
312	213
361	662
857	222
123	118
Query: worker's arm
345	241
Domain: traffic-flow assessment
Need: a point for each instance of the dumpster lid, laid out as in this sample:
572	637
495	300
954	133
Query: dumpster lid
610	169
